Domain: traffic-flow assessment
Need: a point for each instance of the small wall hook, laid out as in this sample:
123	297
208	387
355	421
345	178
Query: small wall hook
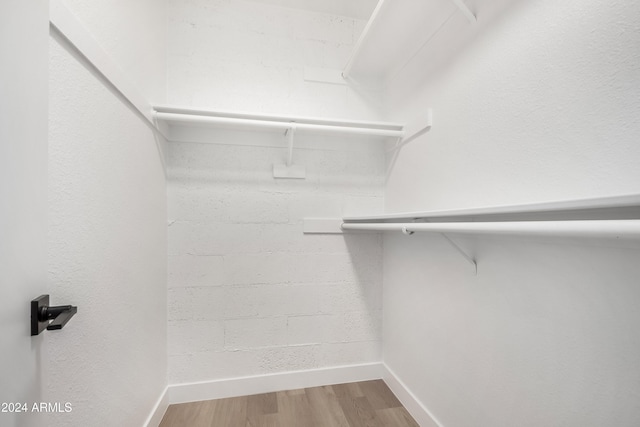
42	314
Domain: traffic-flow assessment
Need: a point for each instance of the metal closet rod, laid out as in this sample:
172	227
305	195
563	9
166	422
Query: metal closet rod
624	229
269	124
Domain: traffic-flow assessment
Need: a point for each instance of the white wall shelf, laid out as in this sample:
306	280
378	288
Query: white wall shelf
64	23
250	121
615	217
166	117
609	212
619	229
569	208
396	31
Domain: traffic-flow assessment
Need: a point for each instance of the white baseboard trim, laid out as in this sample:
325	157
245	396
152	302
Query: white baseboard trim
244	386
418	411
154	419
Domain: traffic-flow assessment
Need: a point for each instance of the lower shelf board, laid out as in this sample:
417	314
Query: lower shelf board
366	403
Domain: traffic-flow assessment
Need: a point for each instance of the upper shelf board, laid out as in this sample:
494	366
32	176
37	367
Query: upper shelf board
397	32
278	118
629	201
235	120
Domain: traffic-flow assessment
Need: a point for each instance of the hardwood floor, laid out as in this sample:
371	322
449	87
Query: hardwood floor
363	404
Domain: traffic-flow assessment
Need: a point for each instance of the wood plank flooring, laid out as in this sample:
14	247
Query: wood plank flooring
363	404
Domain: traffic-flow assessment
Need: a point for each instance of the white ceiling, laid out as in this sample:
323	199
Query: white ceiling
360	9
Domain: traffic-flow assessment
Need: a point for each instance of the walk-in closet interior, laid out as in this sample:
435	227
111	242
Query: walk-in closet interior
321	212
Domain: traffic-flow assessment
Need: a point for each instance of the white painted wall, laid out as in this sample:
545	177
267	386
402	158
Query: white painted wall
107	251
539	103
23	202
249	293
134	35
250	56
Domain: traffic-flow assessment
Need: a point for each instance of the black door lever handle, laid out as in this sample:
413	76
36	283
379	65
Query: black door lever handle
59	314
42	313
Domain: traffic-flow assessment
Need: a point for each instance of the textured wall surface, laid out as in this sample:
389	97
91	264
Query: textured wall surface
107	253
540	103
250	294
249	56
134	35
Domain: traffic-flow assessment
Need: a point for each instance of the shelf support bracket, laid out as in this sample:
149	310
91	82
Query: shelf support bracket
290	134
289	170
466	256
455	246
422	128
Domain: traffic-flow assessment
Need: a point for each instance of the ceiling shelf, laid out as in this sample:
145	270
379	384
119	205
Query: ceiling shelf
396	32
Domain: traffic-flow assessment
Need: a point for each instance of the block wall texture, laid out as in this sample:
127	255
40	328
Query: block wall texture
250	56
249	293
